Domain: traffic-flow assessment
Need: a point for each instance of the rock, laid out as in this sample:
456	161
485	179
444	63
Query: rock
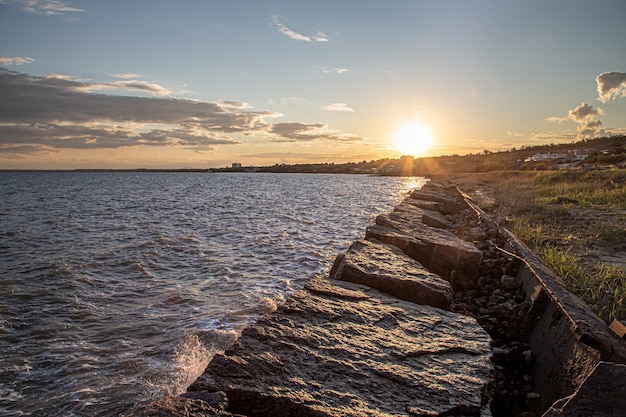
178	407
369	354
441	252
430	216
448	203
214	399
508	282
601	394
388	269
425	205
477	233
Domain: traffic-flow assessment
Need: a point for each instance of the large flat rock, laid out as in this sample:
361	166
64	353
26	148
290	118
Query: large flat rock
445	199
342	349
439	250
388	269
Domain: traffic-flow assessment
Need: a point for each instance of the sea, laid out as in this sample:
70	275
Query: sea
117	288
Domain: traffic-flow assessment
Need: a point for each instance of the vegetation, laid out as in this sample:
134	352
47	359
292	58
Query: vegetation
606	150
575	220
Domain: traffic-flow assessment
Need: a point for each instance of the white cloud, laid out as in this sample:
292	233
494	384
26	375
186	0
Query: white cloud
335	70
340	107
131	85
611	85
46	7
585	115
15	60
319	37
557	119
287	101
126	75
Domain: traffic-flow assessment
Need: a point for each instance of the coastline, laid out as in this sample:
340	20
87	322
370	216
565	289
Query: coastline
502	299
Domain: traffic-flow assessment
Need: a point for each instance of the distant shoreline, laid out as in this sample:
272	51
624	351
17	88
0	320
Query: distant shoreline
605	151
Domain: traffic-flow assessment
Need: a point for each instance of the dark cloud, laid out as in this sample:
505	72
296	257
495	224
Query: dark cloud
61	113
611	85
302	132
582	112
57	112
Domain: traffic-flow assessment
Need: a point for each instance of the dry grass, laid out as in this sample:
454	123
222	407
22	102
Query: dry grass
567	218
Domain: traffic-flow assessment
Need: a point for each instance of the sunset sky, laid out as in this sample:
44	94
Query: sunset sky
205	83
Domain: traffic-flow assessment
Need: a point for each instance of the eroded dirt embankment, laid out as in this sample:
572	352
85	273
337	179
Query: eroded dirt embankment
435	313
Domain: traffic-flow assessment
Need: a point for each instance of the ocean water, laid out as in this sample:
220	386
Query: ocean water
117	288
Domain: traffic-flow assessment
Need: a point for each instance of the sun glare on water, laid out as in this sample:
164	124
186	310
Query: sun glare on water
413	138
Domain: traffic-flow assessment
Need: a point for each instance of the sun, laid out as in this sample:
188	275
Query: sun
413	138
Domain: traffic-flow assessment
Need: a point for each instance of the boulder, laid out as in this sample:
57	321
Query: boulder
427	216
341	349
388	269
440	251
449	201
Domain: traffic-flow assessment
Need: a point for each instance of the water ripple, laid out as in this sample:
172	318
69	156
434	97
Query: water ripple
118	287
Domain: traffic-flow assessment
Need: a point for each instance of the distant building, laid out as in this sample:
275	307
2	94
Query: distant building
573	156
236	165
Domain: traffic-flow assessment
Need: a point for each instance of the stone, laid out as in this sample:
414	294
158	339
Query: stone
388	269
430	216
179	407
357	353
601	394
441	252
214	399
448	203
477	233
510	283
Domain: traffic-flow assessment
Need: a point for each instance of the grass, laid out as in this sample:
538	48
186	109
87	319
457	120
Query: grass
541	208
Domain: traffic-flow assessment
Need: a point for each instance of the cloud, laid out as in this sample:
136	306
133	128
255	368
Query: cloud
335	70
46	7
319	37
340	107
287	101
585	116
299	132
15	60
611	85
583	112
557	119
46	114
131	85
126	75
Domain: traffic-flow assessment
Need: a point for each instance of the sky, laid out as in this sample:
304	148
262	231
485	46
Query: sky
205	83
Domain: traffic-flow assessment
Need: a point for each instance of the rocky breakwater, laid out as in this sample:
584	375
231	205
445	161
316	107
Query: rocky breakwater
377	337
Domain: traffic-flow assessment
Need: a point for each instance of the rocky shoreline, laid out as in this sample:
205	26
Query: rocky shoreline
430	315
